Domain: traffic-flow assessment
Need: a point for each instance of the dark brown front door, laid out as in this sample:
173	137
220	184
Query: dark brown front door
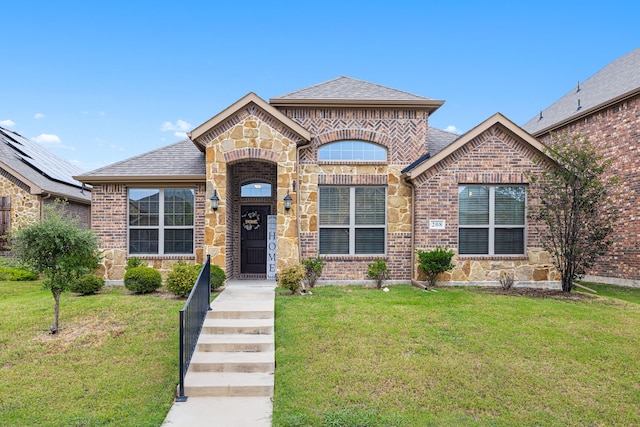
253	232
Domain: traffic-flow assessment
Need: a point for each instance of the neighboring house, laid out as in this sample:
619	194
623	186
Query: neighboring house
606	109
31	176
346	169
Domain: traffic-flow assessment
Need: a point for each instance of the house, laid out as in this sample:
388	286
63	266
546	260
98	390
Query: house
606	109
31	177
347	169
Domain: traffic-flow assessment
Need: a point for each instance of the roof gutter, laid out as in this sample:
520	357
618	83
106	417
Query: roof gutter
124	179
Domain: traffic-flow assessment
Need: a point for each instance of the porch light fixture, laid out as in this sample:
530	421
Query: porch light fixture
215	200
287	201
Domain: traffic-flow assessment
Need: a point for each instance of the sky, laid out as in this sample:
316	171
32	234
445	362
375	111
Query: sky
97	82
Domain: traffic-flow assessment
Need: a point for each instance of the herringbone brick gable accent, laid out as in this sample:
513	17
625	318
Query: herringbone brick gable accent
403	132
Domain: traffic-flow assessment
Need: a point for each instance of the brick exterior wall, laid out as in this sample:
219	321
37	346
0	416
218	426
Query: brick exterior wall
616	130
109	221
493	157
404	133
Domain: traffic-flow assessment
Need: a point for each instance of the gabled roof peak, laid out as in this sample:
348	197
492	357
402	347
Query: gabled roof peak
346	91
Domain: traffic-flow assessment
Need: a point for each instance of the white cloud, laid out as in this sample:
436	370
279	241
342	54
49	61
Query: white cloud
180	134
7	123
38	116
178	126
453	129
53	141
47	138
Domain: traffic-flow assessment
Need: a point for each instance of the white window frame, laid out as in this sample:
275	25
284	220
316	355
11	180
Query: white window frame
492	226
161	227
340	144
352	226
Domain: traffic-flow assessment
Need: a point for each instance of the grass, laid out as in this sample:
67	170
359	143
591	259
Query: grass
612	291
114	363
350	356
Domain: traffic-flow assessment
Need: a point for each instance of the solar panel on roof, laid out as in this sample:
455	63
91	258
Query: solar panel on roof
40	159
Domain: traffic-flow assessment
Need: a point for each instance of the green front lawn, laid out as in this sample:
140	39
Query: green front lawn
350	356
114	363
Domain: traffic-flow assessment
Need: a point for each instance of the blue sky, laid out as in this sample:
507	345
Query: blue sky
98	82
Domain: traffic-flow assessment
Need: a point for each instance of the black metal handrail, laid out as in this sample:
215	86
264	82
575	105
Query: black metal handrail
191	320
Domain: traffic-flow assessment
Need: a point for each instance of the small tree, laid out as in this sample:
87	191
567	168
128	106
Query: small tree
313	269
579	205
435	262
378	271
58	248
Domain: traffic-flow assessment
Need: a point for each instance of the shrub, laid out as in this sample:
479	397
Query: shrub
218	277
87	284
313	269
142	279
506	280
291	277
10	262
134	262
378	271
17	274
182	277
435	262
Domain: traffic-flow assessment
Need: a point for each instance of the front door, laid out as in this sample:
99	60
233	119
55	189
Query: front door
253	234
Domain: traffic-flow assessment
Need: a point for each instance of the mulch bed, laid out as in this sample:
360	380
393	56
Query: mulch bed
536	293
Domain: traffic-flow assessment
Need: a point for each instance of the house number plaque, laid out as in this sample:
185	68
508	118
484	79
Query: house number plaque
437	224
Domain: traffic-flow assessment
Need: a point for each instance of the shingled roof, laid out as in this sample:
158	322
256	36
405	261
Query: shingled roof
40	169
615	82
344	91
178	162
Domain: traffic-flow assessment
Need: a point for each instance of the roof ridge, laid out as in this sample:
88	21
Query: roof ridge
310	87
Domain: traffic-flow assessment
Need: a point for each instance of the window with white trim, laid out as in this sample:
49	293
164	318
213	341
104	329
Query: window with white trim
491	219
352	151
352	220
161	221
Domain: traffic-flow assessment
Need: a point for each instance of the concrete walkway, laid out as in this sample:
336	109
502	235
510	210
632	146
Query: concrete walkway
230	378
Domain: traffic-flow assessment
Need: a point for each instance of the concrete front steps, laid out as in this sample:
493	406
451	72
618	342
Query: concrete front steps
235	353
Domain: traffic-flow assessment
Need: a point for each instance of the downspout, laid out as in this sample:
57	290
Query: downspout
42	199
413	229
298	194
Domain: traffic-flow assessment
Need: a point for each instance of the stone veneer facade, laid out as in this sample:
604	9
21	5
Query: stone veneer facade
493	157
616	130
250	141
25	207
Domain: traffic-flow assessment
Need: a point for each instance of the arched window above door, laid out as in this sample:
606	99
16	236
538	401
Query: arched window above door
256	189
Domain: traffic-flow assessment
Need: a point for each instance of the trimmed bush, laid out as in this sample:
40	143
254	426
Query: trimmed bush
87	284
378	271
435	262
218	277
291	277
313	269
17	274
142	279
182	277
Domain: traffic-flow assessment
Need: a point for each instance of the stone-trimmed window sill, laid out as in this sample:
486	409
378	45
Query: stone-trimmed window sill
352	162
352	257
162	257
493	257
